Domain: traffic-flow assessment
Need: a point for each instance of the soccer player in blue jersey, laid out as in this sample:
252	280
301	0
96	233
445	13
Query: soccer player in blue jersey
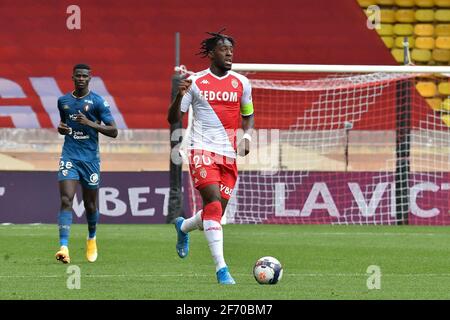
82	112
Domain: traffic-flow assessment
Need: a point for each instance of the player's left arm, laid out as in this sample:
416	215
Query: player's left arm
108	129
248	119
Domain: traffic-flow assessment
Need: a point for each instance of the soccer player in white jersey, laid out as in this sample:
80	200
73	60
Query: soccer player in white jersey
221	103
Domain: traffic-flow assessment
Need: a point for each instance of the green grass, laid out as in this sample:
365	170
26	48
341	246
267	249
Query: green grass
140	262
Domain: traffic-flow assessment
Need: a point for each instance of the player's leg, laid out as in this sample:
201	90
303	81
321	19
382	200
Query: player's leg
184	226
92	215
228	177
193	223
203	172
90	180
212	228
196	221
67	189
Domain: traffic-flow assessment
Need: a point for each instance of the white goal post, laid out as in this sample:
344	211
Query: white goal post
345	144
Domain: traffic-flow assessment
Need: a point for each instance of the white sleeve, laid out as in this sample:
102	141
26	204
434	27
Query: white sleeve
186	101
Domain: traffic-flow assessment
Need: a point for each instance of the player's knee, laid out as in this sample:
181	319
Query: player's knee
66	203
212	197
90	207
213	211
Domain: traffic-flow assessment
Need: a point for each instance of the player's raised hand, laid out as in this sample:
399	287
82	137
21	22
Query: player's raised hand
64	128
184	86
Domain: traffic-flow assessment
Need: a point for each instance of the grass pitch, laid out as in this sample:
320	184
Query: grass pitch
140	262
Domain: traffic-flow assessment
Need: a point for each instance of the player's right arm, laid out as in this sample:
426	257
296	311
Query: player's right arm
183	99
63	128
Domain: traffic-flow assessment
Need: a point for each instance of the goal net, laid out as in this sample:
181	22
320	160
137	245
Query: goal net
344	145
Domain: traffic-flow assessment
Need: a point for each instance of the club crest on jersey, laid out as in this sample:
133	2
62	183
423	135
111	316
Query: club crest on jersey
86	108
234	83
94	178
89	101
66	107
203	173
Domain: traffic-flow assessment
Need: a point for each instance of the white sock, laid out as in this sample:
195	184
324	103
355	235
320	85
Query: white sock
214	236
193	223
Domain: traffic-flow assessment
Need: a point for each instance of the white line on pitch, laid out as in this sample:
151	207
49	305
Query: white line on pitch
237	274
348	234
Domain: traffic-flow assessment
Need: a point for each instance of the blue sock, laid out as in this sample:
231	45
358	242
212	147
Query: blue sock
64	222
92	220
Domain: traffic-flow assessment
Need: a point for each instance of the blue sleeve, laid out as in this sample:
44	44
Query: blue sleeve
61	111
104	111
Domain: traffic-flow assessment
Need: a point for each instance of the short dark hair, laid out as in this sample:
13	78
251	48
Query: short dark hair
81	66
209	44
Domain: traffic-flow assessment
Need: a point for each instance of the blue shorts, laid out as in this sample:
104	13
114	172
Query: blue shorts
87	172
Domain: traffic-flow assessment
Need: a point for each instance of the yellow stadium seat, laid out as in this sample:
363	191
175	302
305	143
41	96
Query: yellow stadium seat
420	55
404	3
442	15
424	15
385	30
445	105
441	55
404	15
424	43
366	3
446	119
442	3
434	103
385	2
388	41
443	42
424	30
425	3
399	42
398	55
426	89
403	29
442	30
387	16
444	88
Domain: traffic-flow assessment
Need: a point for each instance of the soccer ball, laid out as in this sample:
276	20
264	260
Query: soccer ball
268	270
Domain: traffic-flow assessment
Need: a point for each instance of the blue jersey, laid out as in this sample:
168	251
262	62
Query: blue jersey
82	142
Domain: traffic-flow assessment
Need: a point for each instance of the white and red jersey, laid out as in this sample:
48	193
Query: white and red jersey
217	105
